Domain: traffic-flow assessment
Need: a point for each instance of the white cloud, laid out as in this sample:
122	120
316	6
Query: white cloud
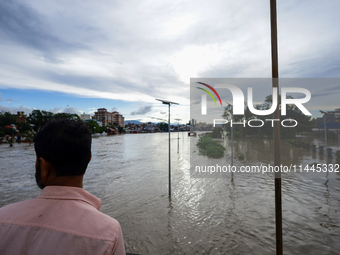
72	110
156	46
55	110
142	110
14	110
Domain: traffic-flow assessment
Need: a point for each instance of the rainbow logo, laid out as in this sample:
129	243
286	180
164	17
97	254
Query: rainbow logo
213	90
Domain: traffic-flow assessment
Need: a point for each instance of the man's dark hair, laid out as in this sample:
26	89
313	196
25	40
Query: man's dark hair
66	145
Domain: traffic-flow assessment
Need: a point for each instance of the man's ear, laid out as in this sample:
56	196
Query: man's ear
46	170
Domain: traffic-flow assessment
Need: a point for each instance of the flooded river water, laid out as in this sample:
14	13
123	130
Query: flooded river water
129	173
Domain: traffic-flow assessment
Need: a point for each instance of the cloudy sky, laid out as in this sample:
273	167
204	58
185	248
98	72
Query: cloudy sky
77	56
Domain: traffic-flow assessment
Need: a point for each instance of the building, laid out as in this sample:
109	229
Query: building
21	117
118	118
85	116
332	120
109	117
331	117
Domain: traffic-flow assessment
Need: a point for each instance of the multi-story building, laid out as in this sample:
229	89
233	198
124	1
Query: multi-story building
21	117
109	117
118	118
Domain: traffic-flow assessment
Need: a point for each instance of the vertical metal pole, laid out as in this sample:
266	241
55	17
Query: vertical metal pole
178	130
169	157
324	121
276	131
232	146
178	138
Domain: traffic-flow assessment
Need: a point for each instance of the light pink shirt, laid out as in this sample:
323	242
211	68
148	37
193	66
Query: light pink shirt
61	220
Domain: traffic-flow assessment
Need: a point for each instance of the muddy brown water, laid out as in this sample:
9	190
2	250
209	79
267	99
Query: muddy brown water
129	173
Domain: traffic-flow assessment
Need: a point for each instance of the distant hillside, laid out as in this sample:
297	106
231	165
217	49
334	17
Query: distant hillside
132	122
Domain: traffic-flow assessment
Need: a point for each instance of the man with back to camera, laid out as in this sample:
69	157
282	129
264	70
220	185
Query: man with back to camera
64	218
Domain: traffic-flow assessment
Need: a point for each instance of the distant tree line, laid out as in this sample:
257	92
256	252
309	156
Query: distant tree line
39	118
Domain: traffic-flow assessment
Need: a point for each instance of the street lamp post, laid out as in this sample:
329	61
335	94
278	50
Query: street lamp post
168	103
178	126
178	134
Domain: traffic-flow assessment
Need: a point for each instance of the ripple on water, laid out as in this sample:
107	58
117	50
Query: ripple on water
129	173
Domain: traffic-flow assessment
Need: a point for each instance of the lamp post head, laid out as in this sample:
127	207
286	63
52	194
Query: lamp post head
166	102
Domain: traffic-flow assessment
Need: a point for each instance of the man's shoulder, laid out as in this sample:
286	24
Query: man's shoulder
75	225
102	220
18	206
21	211
74	216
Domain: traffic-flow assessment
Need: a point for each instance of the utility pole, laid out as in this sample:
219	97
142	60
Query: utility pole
168	103
276	131
325	128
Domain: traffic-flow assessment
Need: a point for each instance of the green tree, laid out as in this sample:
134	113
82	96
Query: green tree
163	126
103	129
29	135
238	130
35	118
23	127
217	132
112	125
7	118
40	118
47	117
95	128
70	116
121	130
7	131
305	123
2	135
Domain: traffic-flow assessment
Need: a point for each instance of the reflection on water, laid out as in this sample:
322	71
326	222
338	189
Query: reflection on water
206	215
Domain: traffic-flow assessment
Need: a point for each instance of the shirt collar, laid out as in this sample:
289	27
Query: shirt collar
70	193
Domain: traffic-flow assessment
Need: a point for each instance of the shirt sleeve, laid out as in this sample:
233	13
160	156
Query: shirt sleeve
119	248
